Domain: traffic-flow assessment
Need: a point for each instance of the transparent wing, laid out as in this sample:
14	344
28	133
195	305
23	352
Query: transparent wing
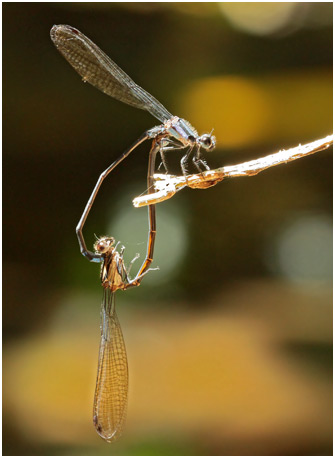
95	67
111	391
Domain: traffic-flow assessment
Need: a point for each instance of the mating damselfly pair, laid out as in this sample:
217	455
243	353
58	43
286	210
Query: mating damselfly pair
173	134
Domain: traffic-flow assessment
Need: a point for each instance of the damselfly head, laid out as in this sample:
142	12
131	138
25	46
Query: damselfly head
104	244
207	141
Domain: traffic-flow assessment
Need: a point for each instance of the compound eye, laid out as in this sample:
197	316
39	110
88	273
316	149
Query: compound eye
206	141
101	247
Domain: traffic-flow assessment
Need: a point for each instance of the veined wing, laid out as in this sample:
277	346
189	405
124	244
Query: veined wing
95	67
111	391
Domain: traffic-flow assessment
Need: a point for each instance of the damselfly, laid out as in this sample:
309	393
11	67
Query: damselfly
111	391
96	68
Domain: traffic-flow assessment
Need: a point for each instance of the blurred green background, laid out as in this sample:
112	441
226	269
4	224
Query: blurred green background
230	342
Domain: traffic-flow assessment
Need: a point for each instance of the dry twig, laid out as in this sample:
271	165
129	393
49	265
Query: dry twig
167	185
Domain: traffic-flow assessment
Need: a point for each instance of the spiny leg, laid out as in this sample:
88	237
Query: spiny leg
173	146
162	150
184	160
117	244
131	263
197	160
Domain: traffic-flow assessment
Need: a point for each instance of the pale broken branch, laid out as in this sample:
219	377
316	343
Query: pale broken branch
167	185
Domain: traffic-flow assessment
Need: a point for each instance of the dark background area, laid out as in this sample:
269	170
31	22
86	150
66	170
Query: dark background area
230	342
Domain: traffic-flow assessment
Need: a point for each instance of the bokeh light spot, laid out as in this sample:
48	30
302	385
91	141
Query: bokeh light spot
257	17
238	105
303	250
